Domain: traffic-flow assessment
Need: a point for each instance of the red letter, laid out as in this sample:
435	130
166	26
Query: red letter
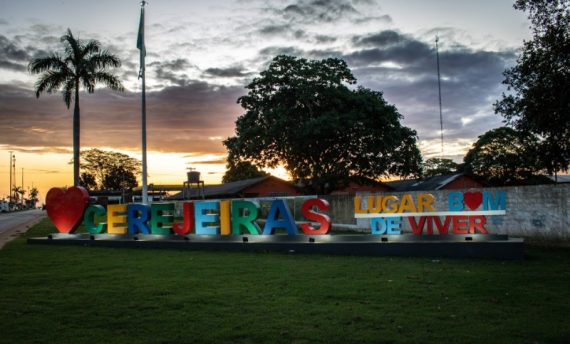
442	229
309	214
460	224
477	222
417	228
188	213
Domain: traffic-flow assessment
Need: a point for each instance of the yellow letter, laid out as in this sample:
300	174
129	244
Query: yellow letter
425	202
117	219
374	206
357	206
389	209
225	228
407	204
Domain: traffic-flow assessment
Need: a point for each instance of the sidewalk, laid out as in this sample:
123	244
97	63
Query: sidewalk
12	233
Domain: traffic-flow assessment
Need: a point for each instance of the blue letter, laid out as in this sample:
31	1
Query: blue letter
204	218
455	201
278	207
389	226
499	202
137	218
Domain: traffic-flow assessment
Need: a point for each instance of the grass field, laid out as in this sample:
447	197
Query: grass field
51	294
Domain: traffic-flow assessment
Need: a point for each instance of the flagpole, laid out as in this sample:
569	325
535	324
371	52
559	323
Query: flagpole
141	46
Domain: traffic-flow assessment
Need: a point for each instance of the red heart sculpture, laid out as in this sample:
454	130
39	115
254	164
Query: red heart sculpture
473	199
65	207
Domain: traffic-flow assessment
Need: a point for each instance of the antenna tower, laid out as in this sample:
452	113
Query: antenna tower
439	88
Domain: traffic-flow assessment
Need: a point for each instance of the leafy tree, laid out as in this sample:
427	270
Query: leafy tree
83	63
407	157
504	156
240	171
88	181
301	113
119	178
539	85
33	196
18	192
109	170
439	166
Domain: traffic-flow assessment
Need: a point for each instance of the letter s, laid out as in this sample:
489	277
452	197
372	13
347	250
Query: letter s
311	215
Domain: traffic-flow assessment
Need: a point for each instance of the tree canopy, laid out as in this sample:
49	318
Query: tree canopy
504	156
240	171
106	170
538	101
83	63
302	114
438	166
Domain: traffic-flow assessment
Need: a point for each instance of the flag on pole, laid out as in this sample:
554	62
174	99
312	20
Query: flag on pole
140	40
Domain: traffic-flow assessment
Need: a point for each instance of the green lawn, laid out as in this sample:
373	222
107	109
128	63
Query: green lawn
58	294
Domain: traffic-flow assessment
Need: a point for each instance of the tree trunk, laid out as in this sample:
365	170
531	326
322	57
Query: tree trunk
76	129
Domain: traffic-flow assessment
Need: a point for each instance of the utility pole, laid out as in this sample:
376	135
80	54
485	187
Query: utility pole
13	171
22	186
10	186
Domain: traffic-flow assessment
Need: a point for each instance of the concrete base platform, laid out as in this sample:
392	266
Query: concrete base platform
444	246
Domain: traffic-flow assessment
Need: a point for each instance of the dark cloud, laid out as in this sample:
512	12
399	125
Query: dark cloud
381	39
405	70
11	51
325	39
230	72
171	71
188	118
176	65
364	2
270	52
311	11
407	52
272	30
12	66
383	19
12	56
40	170
210	162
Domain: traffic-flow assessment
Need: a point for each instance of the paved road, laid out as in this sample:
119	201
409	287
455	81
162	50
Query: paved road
13	224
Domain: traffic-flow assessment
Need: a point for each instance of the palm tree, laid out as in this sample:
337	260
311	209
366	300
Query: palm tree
33	197
82	64
18	193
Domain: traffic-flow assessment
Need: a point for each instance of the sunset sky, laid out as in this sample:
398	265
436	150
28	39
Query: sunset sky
201	54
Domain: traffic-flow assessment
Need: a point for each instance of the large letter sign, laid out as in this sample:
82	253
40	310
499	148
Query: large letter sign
466	212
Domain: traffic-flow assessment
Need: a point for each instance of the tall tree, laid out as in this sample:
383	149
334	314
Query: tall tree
33	197
109	170
87	180
539	85
18	193
504	156
301	113
83	63
119	178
